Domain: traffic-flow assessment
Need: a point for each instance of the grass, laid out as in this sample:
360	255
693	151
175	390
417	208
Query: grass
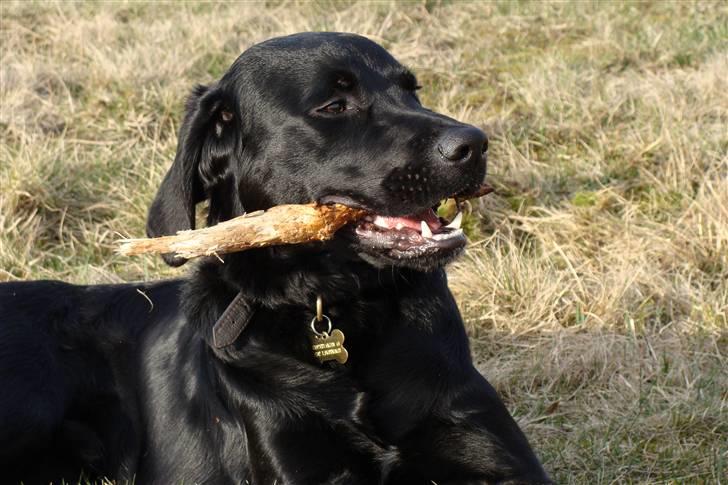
595	288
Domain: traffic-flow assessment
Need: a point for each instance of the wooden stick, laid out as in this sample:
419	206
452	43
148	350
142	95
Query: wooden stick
283	224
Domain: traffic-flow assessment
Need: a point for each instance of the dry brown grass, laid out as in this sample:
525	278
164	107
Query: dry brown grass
595	290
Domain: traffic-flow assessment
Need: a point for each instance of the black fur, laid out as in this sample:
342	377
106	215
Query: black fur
124	381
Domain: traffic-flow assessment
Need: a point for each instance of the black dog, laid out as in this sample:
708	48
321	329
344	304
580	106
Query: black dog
213	379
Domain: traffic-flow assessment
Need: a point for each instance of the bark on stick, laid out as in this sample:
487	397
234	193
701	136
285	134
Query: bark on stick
283	224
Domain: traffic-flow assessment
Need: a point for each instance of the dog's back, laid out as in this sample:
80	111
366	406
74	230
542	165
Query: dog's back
59	342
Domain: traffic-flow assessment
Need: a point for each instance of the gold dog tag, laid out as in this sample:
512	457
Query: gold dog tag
329	347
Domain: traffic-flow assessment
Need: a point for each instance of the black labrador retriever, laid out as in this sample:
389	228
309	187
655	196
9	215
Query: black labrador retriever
213	379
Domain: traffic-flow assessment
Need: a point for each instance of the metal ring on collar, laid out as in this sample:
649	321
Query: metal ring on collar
321	334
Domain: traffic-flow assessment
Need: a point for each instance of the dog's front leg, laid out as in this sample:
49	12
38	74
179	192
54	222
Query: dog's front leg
469	437
452	427
428	400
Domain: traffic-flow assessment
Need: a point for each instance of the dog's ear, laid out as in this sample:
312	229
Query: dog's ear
207	141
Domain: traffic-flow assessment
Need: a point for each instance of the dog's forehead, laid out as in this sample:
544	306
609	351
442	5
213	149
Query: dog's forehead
310	54
325	44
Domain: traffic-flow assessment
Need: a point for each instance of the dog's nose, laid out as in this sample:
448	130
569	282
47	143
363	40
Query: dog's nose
462	144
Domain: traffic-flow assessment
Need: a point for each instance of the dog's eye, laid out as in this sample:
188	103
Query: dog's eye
335	107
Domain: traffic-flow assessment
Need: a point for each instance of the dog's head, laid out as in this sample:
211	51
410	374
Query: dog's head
325	117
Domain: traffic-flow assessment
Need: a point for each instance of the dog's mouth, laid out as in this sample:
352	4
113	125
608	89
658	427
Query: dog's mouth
412	236
421	240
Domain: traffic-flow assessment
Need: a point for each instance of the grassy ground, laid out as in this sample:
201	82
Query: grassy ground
595	289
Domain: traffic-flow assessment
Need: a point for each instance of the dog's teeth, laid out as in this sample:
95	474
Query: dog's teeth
426	232
455	224
399	226
447	235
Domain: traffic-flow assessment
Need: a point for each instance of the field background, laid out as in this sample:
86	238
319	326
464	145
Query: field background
595	287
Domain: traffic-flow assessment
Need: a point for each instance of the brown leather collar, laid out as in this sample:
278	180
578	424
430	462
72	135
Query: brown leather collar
232	322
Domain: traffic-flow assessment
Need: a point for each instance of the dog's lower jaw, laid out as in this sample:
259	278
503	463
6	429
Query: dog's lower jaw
346	246
423	264
377	263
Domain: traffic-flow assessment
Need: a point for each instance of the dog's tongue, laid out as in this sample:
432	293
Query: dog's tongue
413	221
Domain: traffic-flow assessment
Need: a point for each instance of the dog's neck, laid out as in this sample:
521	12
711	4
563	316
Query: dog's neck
287	280
283	276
